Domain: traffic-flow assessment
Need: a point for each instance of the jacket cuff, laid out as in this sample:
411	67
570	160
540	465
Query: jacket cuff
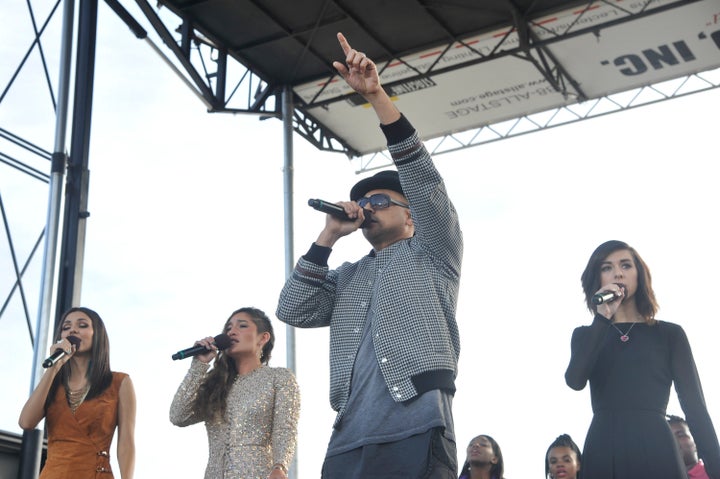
398	131
318	254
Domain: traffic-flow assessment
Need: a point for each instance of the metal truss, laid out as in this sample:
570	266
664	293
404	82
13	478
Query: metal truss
532	46
23	156
556	117
222	84
226	86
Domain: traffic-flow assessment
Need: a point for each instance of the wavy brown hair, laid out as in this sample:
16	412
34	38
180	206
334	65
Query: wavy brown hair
644	296
99	375
211	399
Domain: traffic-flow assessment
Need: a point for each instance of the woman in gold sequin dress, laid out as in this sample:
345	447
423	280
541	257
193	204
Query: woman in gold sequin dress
83	402
250	410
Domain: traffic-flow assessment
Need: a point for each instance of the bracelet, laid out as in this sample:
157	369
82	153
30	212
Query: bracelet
280	467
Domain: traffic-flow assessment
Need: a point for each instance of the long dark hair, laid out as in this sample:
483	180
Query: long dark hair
99	375
563	440
644	296
211	399
497	471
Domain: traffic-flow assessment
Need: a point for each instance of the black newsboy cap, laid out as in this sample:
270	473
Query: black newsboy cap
384	180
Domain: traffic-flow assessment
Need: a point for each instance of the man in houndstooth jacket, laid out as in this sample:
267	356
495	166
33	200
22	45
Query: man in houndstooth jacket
394	341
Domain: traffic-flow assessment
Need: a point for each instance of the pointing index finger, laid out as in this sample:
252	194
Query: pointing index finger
343	43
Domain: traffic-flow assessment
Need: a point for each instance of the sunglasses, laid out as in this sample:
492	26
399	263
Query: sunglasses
379	201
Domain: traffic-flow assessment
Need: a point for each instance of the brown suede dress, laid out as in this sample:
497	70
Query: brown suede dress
78	444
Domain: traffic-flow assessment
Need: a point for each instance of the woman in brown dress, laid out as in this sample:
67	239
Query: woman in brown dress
83	402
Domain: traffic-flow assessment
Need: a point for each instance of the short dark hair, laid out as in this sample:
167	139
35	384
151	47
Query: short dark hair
644	296
672	419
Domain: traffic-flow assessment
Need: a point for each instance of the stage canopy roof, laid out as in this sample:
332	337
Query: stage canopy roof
452	65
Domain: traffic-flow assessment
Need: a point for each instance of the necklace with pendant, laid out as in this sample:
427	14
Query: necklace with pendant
76	397
624	337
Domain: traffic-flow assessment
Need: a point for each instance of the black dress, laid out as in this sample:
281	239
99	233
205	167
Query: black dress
630	382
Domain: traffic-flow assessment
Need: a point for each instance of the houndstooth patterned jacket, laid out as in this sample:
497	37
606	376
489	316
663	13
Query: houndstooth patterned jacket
412	286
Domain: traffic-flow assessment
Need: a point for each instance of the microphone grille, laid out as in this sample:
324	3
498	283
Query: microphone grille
74	340
222	341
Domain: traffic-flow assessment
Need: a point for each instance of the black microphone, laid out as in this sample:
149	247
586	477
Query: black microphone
337	211
330	208
221	341
59	353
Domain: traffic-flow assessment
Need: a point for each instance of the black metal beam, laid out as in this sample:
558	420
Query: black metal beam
77	182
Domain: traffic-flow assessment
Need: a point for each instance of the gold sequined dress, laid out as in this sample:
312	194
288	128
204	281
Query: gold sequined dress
260	425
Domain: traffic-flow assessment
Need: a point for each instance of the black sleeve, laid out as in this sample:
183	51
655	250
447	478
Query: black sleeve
398	131
692	401
318	254
584	350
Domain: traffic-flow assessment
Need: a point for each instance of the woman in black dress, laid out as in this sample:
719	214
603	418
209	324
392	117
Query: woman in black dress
631	361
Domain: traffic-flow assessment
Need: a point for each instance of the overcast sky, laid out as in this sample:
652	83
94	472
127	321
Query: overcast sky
187	225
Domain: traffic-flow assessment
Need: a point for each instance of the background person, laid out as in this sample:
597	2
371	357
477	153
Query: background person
632	360
484	459
688	449
563	459
394	341
250	410
83	402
